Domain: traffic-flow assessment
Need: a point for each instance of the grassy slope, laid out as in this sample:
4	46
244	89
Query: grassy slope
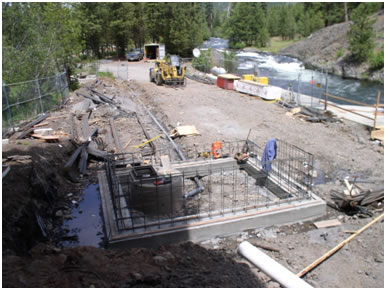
276	44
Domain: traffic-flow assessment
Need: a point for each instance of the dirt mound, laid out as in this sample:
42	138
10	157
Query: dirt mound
185	265
33	191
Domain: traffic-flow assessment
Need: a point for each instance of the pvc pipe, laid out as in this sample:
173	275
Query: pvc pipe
270	267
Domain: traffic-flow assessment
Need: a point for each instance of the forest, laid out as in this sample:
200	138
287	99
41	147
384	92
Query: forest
36	44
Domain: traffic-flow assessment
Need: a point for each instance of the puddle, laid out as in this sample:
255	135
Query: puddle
86	226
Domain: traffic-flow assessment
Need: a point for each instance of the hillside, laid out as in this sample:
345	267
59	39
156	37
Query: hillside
328	48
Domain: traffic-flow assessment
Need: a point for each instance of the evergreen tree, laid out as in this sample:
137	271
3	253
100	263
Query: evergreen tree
361	35
35	43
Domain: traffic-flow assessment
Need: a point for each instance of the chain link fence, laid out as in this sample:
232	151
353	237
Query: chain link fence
100	68
26	100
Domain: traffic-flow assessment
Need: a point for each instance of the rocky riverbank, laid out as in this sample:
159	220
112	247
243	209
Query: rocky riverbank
329	48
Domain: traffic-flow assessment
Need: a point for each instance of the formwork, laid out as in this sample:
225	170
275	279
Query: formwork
145	203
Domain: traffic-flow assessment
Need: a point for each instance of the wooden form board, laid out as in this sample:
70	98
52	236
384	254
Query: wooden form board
327	224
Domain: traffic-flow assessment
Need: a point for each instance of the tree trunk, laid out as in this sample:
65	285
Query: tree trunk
345	12
229	9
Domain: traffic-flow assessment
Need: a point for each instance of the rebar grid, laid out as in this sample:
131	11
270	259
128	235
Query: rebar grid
148	202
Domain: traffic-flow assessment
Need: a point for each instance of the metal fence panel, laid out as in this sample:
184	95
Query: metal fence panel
25	100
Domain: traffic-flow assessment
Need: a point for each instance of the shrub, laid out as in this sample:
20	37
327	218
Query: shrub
203	62
376	60
339	53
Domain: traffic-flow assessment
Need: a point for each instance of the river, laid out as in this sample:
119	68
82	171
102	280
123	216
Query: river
286	72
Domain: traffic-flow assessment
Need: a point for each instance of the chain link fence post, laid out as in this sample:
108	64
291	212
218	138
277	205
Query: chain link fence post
9	113
40	96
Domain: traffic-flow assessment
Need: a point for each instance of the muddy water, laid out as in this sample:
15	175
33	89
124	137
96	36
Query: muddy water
86	226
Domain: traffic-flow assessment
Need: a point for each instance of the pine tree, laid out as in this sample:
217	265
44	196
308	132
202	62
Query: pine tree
361	35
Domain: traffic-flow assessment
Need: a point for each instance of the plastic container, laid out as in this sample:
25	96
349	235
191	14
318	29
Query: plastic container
248	77
216	149
262	80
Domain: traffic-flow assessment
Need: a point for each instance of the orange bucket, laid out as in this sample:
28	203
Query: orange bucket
216	149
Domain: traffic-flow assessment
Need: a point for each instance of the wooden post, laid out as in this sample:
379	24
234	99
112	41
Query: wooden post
376	110
326	96
334	250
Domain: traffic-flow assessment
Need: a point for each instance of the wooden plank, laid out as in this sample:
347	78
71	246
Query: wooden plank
85	127
109	140
378	134
41	124
73	158
327	224
118	144
127	144
47	138
295	110
83	160
25	133
33	123
266	247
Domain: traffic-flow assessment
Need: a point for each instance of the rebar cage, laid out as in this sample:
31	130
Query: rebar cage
148	197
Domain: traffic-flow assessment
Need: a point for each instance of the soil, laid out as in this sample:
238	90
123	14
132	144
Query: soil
329	48
37	191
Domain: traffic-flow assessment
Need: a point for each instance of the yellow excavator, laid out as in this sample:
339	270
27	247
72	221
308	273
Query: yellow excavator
168	71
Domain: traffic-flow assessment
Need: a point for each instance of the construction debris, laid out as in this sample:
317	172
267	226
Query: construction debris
310	114
184	131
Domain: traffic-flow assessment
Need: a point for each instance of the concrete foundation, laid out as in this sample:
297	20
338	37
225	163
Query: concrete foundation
184	229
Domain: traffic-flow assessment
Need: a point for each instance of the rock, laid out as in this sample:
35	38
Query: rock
314	284
152	279
360	272
92	286
159	260
378	259
59	213
137	276
273	284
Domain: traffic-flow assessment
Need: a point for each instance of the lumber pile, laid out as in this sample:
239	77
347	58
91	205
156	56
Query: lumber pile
311	114
354	198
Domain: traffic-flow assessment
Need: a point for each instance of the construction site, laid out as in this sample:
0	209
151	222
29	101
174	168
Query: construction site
189	177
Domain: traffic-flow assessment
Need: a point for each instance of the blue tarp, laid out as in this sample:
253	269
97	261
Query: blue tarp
269	155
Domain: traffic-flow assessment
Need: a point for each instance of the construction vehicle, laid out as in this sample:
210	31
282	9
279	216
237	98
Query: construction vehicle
168	71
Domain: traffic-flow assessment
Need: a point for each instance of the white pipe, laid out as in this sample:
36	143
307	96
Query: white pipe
270	267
